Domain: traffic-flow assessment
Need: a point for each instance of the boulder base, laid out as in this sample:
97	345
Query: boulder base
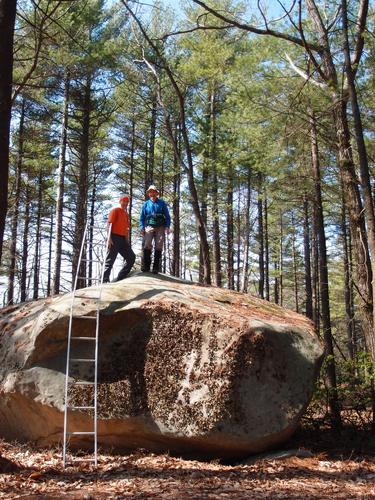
200	371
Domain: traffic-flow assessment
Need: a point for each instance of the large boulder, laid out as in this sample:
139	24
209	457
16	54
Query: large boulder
195	370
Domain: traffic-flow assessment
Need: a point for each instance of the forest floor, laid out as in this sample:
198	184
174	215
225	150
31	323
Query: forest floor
326	466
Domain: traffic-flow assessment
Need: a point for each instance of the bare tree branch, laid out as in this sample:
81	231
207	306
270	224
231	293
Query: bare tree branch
258	31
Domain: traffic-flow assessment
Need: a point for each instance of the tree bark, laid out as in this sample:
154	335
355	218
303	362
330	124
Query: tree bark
36	268
25	245
81	210
260	238
7	20
295	266
230	232
307	260
245	272
214	195
176	261
17	201
60	188
362	157
266	251
333	403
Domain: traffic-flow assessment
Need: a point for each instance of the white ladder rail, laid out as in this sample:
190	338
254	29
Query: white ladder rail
96	355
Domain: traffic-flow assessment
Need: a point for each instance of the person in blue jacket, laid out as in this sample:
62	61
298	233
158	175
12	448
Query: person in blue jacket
154	222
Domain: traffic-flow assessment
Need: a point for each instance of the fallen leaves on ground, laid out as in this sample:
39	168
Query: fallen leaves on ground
32	473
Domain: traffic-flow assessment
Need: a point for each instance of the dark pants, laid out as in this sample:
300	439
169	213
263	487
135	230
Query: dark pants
120	245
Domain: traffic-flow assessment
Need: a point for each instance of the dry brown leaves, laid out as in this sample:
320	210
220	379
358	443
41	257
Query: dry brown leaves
39	473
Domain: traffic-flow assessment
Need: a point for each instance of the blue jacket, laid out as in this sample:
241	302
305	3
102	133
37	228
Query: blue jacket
150	209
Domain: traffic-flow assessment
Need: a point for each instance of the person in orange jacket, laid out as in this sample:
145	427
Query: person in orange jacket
119	241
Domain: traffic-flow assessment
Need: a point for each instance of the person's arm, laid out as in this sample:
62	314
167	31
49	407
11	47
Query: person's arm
111	220
142	219
167	216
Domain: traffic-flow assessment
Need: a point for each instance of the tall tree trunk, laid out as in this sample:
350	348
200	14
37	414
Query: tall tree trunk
203	197
151	154
83	185
349	312
7	20
17	200
238	246
176	261
315	270
357	225
281	260
324	287
266	251
38	237
260	238
230	237
214	193
49	265
60	188
295	266
91	250
245	273
131	177
307	259
276	287
362	157
25	244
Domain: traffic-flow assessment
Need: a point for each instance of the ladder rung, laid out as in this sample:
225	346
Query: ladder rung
83	360
82	338
79	433
86	297
84	317
81	407
82	382
87	278
83	460
91	260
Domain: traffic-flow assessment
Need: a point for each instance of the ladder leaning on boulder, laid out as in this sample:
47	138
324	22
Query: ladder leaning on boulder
92	253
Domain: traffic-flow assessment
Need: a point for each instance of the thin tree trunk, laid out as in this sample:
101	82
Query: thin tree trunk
60	189
349	313
203	197
295	266
38	238
266	251
260	238
176	262
131	178
17	199
245	273
239	232
49	267
25	245
214	194
324	287
151	154
307	260
7	20
230	237
276	288
315	271
281	260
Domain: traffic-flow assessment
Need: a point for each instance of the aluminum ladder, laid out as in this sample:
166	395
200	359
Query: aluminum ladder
92	253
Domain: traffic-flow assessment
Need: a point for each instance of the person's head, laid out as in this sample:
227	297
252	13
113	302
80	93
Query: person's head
124	200
152	192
